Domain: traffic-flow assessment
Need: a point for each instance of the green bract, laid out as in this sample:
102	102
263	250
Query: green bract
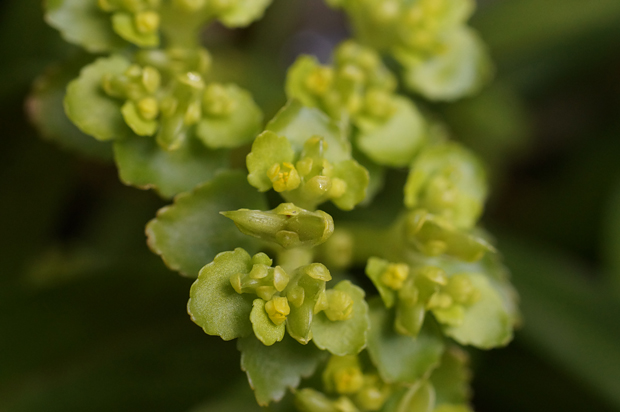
83	23
214	304
173	128
448	181
345	337
189	233
273	369
401	358
88	106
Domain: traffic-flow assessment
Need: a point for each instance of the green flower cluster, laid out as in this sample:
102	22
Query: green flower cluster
437	274
443	59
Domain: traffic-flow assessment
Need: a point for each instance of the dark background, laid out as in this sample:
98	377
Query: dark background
90	320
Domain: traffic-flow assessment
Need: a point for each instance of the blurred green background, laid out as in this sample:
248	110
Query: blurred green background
91	320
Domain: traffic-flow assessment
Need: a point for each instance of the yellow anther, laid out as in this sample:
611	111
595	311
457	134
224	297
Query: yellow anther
339	188
348	380
284	177
147	21
340	305
280	278
439	301
151	79
320	80
277	309
148	108
395	275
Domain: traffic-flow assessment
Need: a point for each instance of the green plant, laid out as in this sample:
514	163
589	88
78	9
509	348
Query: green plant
435	277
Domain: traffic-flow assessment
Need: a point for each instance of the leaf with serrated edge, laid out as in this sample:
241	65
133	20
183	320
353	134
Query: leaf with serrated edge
273	369
144	164
401	358
214	305
87	105
344	337
451	378
190	232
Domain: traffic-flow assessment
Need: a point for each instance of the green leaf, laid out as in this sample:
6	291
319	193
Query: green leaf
214	305
451	378
236	128
395	141
87	105
458	72
486	324
243	12
344	337
189	233
401	358
299	123
267	150
83	23
273	369
310	400
123	25
447	180
45	110
144	164
265	330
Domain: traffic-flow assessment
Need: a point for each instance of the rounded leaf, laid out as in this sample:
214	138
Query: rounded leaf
268	149
87	105
144	164
395	141
235	129
273	369
265	330
214	304
189	233
83	23
401	358
344	337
